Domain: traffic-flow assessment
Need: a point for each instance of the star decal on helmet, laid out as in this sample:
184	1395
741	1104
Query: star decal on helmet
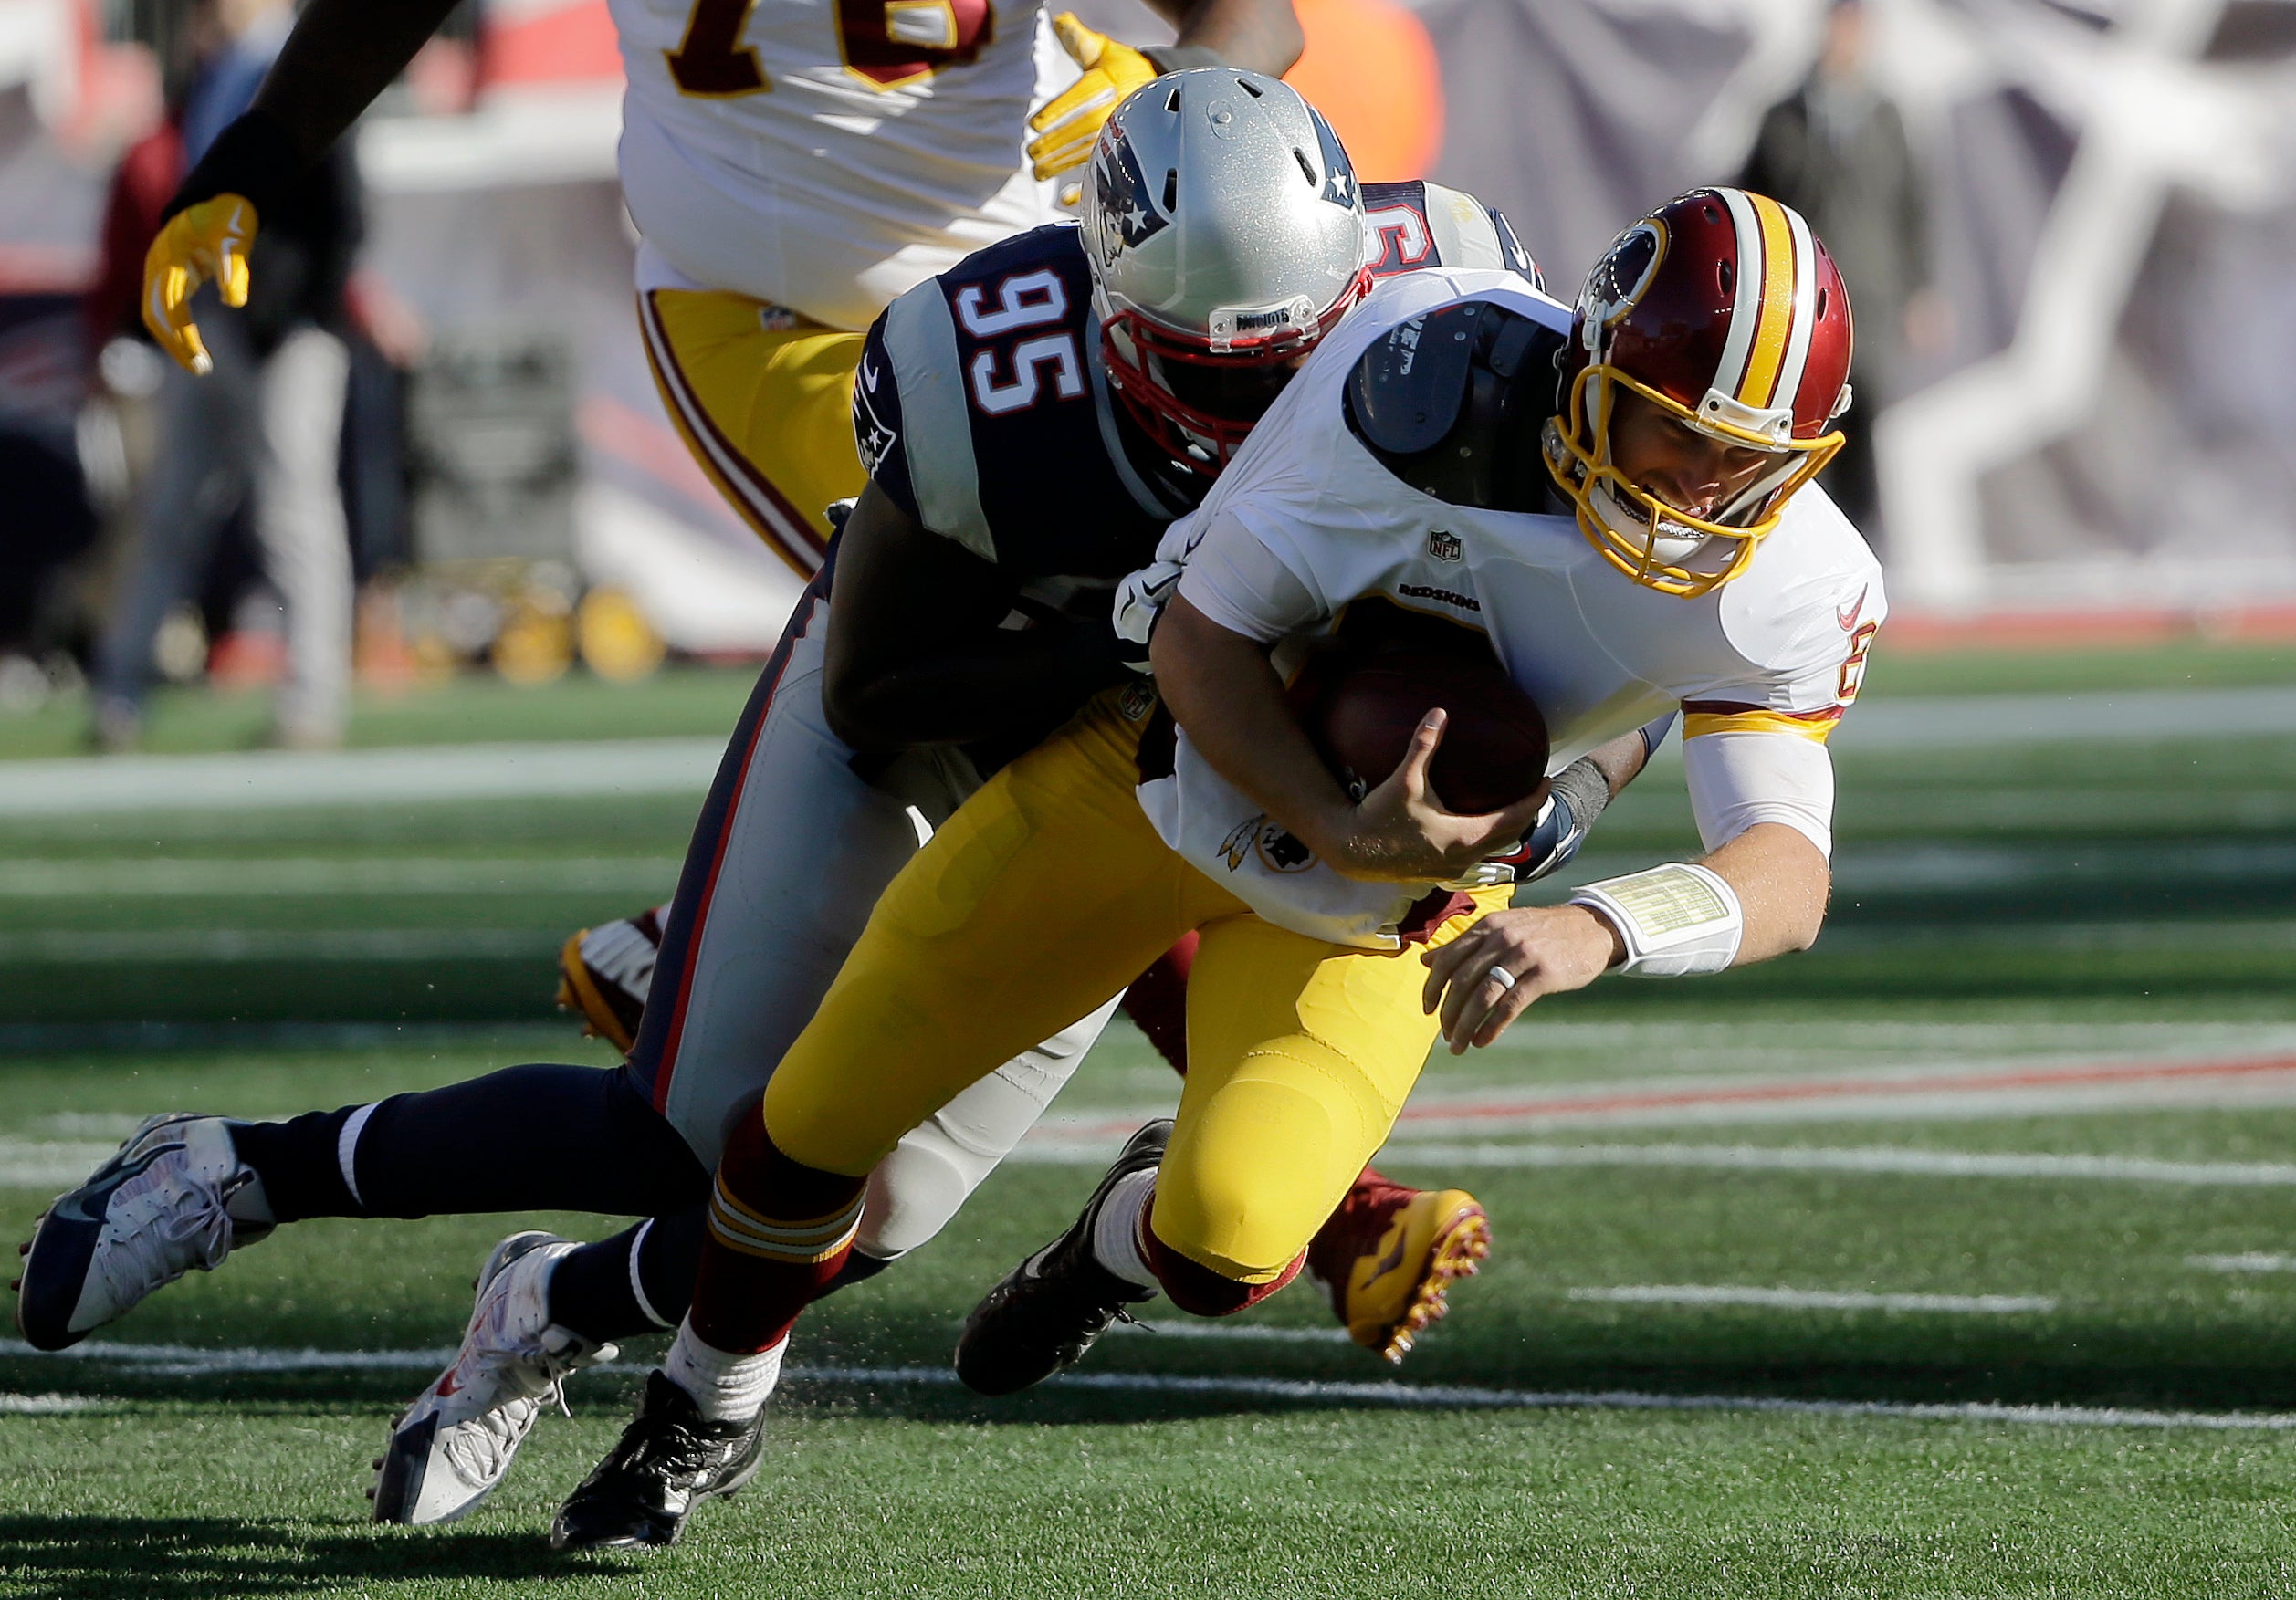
1127	211
1340	173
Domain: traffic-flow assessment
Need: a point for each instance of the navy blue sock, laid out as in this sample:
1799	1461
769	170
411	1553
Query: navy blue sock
592	1293
590	1290
524	1139
302	1173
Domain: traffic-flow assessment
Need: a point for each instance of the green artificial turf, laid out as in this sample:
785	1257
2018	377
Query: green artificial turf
183	1479
1999	912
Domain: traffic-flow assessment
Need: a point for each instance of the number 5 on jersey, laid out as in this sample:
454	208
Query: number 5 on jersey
1025	300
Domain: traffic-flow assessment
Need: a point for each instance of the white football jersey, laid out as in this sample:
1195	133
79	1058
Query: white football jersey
1305	520
827	155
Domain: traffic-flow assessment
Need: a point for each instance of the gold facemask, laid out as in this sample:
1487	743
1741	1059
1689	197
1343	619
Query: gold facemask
1578	458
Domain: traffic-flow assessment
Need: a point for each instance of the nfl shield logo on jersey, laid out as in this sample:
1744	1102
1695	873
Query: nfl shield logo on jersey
1444	546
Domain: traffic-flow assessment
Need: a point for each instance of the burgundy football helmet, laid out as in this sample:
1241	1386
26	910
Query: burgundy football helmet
1722	309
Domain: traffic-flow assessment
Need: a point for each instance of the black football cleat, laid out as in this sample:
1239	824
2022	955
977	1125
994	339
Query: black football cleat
668	1460
1048	1310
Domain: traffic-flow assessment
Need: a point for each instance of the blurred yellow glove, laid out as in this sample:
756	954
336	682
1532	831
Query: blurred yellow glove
200	242
1067	125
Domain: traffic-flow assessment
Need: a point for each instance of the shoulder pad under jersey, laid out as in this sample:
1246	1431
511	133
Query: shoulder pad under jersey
974	411
1406	391
1451	403
1418	224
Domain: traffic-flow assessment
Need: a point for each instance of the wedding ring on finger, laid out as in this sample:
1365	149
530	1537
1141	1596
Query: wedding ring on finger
1505	979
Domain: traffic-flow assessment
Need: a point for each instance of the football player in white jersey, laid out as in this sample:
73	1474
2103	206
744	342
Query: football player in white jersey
972	524
791	167
1642	536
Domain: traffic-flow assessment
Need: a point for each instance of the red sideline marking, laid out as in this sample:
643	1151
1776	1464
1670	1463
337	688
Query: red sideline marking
1866	1088
1833	1088
2101	628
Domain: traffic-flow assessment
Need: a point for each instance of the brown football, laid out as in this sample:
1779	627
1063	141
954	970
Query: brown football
1362	698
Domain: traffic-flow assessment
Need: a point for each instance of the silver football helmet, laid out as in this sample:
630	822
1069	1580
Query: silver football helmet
1226	236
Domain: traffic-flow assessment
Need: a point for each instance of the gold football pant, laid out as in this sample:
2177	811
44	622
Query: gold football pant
1043	895
764	400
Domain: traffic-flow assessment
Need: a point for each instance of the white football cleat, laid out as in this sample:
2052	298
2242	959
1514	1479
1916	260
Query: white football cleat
456	1442
156	1210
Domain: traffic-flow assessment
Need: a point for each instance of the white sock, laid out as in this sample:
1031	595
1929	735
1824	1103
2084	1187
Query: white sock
726	1387
1116	1232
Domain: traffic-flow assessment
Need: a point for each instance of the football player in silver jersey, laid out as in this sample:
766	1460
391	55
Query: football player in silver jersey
899	685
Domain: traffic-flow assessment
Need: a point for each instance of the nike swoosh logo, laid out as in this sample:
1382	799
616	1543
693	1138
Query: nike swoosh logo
73	1207
1848	615
869	377
450	1384
1394	1257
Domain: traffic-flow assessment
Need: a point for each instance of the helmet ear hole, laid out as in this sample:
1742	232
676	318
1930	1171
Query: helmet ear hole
1172	190
1822	301
1249	88
1307	167
1727	278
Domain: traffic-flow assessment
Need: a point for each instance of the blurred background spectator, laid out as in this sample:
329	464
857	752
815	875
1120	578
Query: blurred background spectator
2067	225
1836	152
263	429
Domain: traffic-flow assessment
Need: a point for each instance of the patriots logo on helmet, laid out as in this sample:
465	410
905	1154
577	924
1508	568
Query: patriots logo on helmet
874	437
1127	214
1340	173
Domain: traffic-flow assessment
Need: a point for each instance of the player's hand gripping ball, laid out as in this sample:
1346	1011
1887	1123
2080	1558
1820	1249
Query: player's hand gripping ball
1362	705
1067	125
200	242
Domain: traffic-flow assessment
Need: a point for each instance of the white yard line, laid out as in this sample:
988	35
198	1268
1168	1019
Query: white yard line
1250	1333
186	1360
2249	1262
114	878
49	1163
273	779
1816	1299
80	947
1901	869
46	1404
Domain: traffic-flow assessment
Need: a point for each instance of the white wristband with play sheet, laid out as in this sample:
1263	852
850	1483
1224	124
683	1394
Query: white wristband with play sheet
1676	920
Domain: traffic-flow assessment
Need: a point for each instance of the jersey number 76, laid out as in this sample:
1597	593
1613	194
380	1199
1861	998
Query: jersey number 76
885	43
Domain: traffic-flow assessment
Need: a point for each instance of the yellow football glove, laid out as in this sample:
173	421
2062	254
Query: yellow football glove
200	242
1067	125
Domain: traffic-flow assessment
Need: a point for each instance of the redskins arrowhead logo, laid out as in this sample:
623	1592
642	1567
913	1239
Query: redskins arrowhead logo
1276	849
1620	277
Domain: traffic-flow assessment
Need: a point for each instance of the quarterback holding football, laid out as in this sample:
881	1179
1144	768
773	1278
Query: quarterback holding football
1617	496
